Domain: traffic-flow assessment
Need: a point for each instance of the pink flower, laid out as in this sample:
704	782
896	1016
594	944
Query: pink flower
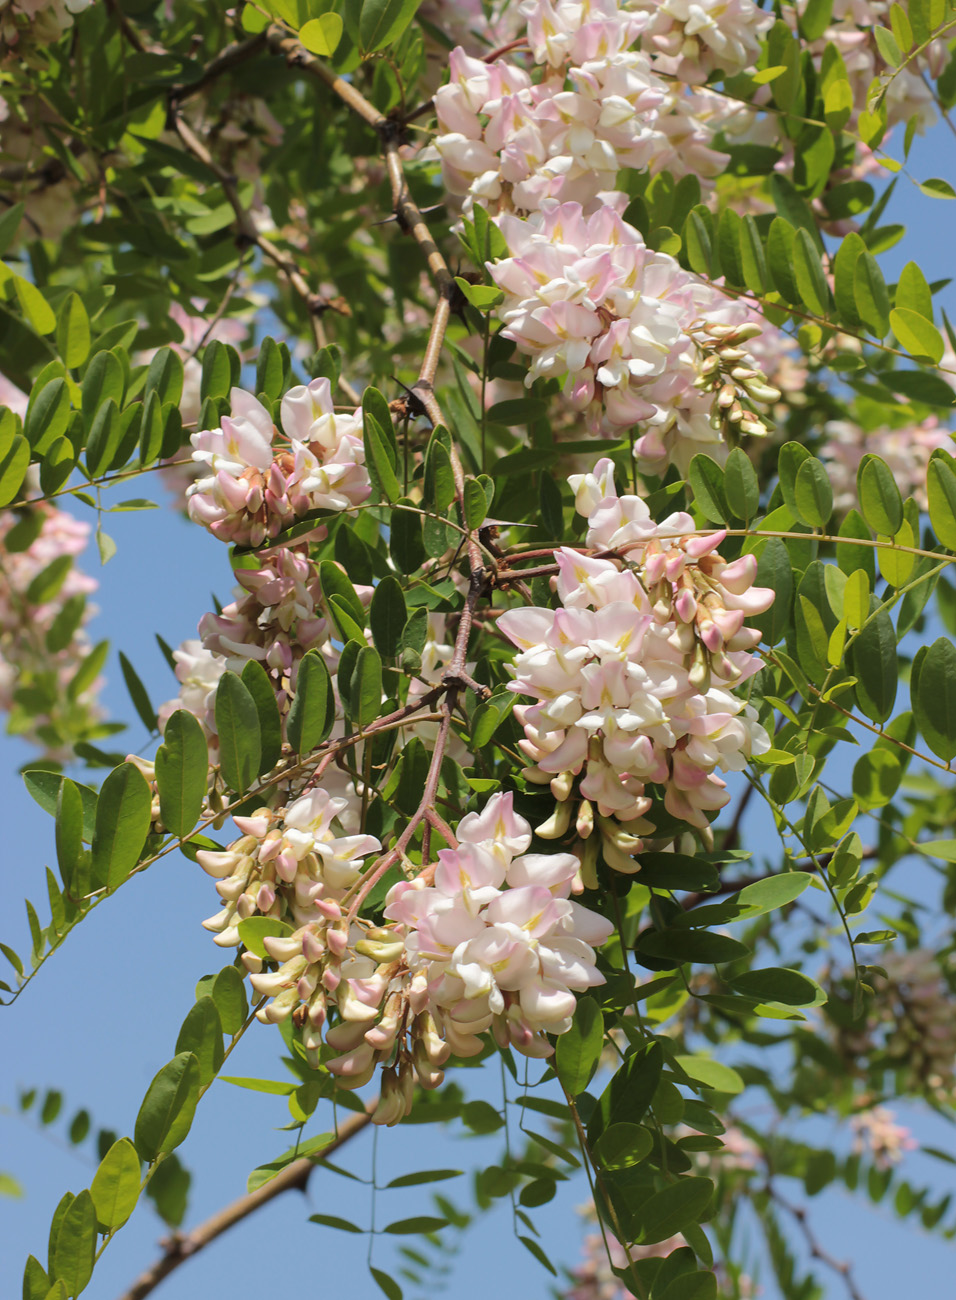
254	489
631	679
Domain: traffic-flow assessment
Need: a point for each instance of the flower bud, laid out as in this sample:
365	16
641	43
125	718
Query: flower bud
383	953
585	820
557	824
561	785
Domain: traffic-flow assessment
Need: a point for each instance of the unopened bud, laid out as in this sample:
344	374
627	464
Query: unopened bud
589	859
429	1076
619	860
699	675
383	953
727	396
762	392
585	820
391	1103
561	785
615	834
557	824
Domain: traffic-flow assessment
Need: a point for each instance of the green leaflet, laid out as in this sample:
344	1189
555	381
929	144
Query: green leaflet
122	824
166	1114
201	1034
116	1184
579	1050
76	1244
182	764
237	724
313	705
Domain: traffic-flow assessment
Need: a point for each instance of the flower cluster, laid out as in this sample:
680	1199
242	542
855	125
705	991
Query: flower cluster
906	450
484	938
42	642
909	1027
276	619
877	1132
253	489
635	338
289	864
508	142
691	39
633	676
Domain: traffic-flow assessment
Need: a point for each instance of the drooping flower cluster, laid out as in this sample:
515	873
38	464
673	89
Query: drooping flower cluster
289	864
906	450
910	1029
496	935
276	619
485	938
253	488
633	676
635	338
509	142
43	610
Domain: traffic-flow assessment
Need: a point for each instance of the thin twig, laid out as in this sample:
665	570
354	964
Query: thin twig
294	1177
839	1266
248	233
411	221
231	57
126	27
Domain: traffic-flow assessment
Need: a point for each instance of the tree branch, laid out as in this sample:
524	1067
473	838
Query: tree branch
411	221
231	57
840	1266
248	234
294	1177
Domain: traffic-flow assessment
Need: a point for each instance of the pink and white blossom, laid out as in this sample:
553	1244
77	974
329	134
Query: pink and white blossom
257	483
632	677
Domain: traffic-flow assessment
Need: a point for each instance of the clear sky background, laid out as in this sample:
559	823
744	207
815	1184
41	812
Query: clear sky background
103	1015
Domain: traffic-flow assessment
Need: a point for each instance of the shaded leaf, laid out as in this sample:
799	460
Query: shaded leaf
167	1111
123	815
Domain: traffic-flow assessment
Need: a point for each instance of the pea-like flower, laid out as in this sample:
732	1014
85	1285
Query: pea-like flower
632	677
258	482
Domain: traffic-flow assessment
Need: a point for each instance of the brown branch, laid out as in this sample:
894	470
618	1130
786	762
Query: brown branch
454	680
411	221
294	1177
817	1251
297	56
126	27
248	234
231	57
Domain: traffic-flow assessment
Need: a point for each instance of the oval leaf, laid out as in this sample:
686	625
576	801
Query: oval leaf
167	1111
123	814
237	724
116	1185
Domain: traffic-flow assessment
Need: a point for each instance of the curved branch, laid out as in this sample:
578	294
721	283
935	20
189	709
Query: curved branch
294	1177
